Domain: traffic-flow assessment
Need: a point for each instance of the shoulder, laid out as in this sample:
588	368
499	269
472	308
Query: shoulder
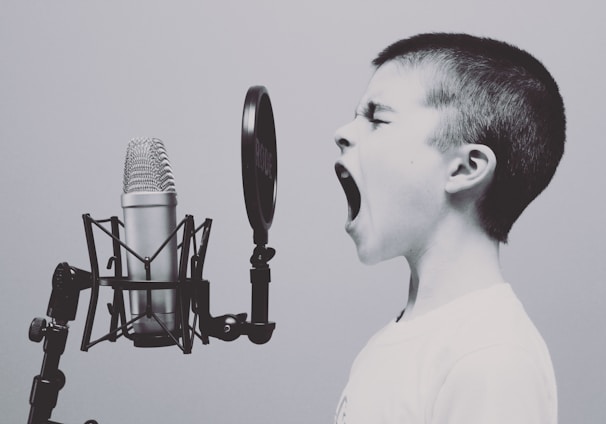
496	317
496	364
500	383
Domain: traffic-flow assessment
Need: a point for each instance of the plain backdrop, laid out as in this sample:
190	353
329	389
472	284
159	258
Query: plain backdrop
79	79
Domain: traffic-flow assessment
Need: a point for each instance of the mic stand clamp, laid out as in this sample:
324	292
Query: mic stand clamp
226	327
67	283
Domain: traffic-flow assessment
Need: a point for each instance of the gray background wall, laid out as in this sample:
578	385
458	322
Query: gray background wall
79	79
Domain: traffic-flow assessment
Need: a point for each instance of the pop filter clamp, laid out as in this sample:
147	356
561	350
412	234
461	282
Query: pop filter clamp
259	177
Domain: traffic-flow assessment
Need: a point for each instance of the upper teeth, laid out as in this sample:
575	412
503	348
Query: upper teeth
345	174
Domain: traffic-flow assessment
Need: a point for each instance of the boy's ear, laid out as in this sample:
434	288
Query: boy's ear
472	166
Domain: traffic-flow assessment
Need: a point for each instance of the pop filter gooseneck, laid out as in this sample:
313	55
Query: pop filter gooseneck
259	161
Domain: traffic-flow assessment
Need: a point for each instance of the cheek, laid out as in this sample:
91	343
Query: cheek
398	179
405	196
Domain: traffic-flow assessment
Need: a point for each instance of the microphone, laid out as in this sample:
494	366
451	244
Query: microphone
149	204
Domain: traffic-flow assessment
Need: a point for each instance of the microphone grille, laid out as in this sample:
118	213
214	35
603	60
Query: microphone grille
147	167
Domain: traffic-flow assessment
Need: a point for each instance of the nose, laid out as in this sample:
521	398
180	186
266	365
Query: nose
344	137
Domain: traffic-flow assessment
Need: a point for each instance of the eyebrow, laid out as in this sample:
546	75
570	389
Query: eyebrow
370	108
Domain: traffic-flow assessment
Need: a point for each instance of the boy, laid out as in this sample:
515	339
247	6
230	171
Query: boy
453	138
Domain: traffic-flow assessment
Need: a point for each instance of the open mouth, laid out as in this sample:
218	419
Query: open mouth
352	193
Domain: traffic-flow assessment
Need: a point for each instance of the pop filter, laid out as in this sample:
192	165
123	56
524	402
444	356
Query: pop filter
259	161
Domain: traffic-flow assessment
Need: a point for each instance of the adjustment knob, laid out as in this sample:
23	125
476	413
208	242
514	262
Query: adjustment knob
37	329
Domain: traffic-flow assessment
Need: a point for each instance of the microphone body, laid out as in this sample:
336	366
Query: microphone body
149	204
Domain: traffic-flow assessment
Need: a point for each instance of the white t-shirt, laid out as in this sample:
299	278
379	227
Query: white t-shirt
476	360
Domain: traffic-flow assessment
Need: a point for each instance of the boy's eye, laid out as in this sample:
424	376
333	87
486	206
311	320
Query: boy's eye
375	122
370	112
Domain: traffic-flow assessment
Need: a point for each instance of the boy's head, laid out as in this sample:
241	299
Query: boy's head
485	93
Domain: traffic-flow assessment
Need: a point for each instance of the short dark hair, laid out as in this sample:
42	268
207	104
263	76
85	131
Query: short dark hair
495	94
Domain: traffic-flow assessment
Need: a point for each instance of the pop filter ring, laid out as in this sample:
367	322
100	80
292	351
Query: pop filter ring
259	161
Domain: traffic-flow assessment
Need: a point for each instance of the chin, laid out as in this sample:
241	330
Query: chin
368	260
372	249
371	256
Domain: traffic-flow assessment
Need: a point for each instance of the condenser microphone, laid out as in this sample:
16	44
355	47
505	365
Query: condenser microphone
149	204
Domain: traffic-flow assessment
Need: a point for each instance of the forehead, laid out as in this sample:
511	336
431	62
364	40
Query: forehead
396	86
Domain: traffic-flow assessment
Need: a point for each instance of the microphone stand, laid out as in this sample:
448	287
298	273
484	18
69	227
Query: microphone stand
67	284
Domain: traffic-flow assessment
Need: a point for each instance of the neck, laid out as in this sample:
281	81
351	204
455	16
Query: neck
455	264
